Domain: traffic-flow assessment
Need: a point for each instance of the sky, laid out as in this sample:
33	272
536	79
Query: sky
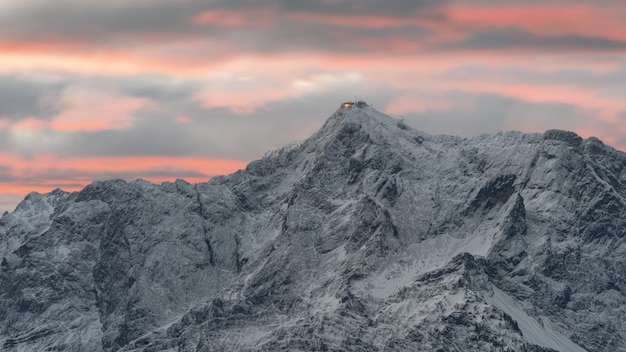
160	90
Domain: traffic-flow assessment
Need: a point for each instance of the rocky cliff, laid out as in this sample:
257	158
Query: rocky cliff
368	236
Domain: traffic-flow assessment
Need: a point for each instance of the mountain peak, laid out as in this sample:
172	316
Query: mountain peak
360	111
369	235
352	117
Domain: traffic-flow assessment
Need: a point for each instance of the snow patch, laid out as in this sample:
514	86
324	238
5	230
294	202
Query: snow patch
420	258
541	333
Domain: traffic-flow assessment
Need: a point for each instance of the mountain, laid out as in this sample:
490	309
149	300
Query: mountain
368	236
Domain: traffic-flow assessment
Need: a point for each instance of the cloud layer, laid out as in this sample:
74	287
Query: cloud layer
191	89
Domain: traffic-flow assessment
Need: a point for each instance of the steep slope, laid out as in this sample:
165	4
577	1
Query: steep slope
367	236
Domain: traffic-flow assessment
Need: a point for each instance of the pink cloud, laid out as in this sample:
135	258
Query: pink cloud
86	60
236	19
30	174
87	109
565	18
28	125
183	119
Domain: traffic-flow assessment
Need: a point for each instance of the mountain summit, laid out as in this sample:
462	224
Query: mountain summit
368	236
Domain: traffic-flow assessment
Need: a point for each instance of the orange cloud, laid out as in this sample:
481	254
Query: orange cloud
583	19
43	174
124	164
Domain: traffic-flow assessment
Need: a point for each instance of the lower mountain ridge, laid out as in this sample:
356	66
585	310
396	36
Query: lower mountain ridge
368	236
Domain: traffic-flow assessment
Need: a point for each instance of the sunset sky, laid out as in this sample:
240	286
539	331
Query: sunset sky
157	89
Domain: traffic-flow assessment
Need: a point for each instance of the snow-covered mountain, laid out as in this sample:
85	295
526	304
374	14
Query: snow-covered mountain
368	236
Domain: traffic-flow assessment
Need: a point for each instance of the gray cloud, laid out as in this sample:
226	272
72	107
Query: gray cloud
159	88
6	174
212	132
519	40
96	22
220	133
588	78
494	113
294	36
22	97
524	2
157	134
342	7
101	24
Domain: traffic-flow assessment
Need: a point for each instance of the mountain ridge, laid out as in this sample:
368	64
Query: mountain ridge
369	235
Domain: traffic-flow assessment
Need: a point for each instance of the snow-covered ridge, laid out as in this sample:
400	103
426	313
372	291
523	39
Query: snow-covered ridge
281	150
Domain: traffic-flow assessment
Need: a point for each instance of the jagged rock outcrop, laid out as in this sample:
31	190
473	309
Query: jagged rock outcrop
367	236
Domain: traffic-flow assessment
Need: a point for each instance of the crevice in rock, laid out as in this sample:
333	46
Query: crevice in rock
205	230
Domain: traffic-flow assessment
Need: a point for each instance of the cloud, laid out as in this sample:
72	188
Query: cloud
154	129
584	75
6	174
518	40
44	173
548	18
159	88
100	23
471	115
339	7
91	110
155	34
29	97
236	19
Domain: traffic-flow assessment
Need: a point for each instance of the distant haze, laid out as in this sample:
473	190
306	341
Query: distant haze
191	89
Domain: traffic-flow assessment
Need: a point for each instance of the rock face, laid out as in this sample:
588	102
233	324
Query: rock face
368	236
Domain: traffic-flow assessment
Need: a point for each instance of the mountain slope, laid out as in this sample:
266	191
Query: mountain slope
369	235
